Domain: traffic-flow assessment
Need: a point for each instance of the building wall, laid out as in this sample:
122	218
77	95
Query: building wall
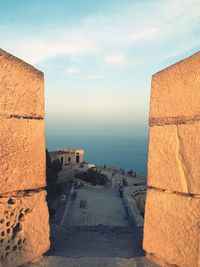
69	156
72	154
172	213
24	227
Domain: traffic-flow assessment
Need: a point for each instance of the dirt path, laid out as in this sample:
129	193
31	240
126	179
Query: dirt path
99	230
98	236
104	207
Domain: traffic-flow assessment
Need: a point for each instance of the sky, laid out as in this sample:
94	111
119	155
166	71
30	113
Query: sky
98	56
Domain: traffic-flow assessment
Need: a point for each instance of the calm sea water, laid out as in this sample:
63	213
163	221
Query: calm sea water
126	152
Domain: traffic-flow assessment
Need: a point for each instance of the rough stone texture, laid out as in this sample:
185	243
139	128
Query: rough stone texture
24	230
175	94
172	211
174	153
22	154
21	88
171	231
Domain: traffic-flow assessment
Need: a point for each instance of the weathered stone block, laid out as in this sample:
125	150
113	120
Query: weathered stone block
173	91
24	228
174	153
22	154
21	88
171	230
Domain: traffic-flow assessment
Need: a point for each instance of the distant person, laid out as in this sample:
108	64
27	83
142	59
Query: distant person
130	173
124	181
113	181
83	204
121	190
104	166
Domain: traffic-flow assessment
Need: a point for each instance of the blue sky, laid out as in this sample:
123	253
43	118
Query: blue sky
98	56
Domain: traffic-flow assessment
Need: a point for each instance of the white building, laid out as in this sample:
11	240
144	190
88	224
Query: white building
68	156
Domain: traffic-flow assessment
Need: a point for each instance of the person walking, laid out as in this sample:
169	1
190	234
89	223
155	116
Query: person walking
121	190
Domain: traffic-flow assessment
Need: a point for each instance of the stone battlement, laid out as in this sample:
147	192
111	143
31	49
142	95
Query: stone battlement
24	228
171	230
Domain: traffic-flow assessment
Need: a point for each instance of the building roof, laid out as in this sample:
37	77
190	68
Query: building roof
67	149
60	152
57	152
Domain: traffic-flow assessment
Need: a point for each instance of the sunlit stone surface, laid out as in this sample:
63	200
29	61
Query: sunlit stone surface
24	231
171	229
175	93
22	154
24	228
21	88
174	153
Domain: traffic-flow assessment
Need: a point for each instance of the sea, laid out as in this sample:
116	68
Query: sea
120	152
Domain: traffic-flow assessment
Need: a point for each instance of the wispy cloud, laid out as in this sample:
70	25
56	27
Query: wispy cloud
93	77
159	22
73	70
115	59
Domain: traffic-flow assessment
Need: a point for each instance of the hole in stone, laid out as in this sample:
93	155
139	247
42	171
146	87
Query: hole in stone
24	240
21	217
5	212
1	257
2	233
14	236
22	210
8	231
1	221
16	230
27	211
7	253
14	248
12	214
19	242
11	201
8	224
8	247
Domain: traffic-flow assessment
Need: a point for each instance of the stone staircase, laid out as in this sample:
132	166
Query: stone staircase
54	261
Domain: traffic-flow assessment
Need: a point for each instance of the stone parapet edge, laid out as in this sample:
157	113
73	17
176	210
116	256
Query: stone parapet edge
22	62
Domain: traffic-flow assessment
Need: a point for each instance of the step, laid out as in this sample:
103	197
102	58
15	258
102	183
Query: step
54	261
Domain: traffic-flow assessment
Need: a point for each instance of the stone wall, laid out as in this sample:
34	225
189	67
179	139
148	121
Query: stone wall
24	228
172	228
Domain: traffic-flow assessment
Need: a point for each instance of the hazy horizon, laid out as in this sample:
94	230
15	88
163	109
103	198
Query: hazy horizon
98	57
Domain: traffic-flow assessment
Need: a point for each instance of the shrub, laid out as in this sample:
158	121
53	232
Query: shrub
93	176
